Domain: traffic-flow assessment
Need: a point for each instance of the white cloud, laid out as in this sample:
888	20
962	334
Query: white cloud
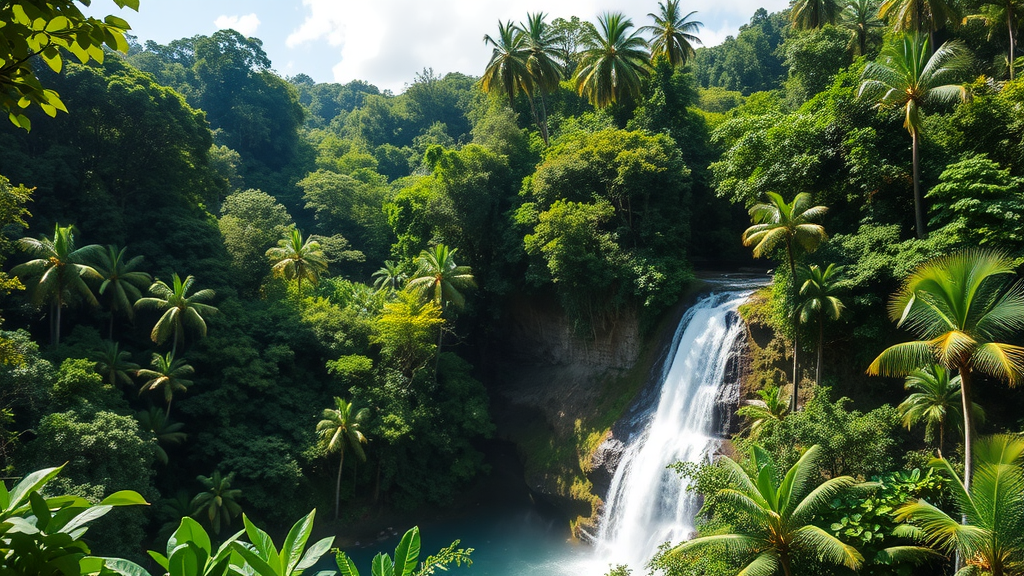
387	41
246	25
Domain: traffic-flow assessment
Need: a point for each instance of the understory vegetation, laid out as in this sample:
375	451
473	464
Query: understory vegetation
239	296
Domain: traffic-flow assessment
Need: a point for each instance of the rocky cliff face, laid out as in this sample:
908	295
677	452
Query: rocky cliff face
571	404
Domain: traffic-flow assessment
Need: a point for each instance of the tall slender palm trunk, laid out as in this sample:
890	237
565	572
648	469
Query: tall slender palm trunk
544	117
337	486
821	345
918	196
1013	40
966	397
796	334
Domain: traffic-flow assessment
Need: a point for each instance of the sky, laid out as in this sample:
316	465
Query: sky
386	42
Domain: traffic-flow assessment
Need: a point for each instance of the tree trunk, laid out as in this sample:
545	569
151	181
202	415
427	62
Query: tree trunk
337	486
942	436
56	325
965	396
167	415
1013	41
544	114
536	119
787	570
110	331
821	346
796	338
918	198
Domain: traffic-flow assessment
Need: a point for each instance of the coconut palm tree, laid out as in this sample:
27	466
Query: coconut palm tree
439	278
341	428
674	34
765	412
613	63
963	308
778	223
918	16
168	375
165	431
390	276
114	364
543	63
910	77
57	275
122	283
860	17
296	259
811	14
219	503
818	303
989	536
779	512
1000	13
507	71
181	309
934	401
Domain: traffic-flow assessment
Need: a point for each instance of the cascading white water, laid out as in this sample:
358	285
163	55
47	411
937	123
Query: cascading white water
647	503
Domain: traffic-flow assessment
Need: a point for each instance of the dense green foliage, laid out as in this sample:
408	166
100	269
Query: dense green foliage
222	226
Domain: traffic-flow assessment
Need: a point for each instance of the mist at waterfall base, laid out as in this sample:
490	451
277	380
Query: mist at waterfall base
647	503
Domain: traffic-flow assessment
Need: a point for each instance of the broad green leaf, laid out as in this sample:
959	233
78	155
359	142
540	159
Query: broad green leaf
5	497
36	480
407	554
262	542
295	542
314	553
40	509
123	567
345	565
158	558
255	561
125	498
88	516
382	565
189	531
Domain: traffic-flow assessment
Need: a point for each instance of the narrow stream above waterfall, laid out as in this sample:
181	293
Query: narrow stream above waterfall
647	504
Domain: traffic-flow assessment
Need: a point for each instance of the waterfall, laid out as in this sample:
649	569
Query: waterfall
647	504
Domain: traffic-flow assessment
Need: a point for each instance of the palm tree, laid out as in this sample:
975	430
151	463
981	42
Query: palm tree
168	374
542	63
58	273
997	12
763	413
819	302
390	276
181	310
613	64
114	364
674	35
918	16
507	71
779	516
122	281
219	502
934	401
811	14
440	278
164	430
990	534
341	427
963	309
298	259
859	17
790	224
911	77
